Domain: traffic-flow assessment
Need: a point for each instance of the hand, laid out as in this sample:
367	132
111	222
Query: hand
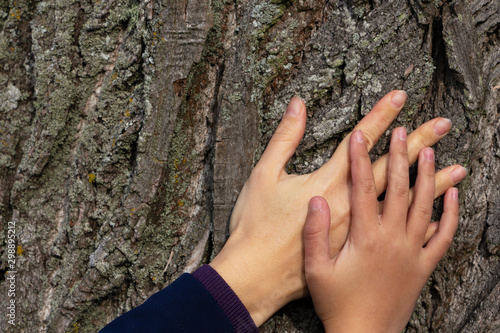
373	283
262	260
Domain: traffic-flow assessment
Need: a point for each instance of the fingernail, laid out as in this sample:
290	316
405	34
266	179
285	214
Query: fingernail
316	204
295	106
401	133
429	154
442	126
458	174
454	193
358	135
398	99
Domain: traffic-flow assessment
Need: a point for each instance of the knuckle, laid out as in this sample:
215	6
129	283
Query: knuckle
259	175
311	231
421	140
403	152
372	242
366	185
369	137
284	132
312	269
426	172
399	184
399	188
424	211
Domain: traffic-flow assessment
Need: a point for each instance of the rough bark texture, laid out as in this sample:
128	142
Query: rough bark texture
127	129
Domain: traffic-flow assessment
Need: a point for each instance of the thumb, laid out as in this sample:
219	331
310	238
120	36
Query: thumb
316	243
286	138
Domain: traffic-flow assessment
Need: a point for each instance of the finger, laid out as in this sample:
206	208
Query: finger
396	198
425	135
441	241
285	140
364	193
421	209
316	241
373	125
444	179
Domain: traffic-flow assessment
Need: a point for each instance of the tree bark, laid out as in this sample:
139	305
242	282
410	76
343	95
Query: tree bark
128	128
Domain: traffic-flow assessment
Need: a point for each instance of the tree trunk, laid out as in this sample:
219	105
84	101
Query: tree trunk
127	129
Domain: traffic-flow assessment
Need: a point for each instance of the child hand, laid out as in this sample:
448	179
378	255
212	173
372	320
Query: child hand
373	283
263	258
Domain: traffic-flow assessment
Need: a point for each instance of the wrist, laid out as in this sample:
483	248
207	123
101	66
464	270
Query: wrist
226	298
262	288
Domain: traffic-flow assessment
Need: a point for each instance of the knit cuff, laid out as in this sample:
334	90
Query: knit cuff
226	298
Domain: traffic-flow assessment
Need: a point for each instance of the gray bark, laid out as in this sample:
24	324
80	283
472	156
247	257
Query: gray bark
127	129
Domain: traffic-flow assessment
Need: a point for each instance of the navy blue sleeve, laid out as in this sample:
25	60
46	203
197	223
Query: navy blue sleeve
228	301
184	306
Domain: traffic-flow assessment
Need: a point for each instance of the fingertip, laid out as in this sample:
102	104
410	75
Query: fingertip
458	174
427	154
442	126
356	140
295	107
454	193
451	201
316	204
449	219
358	137
318	214
358	149
301	99
401	133
398	99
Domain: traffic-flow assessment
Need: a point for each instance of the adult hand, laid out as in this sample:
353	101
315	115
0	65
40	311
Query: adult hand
373	283
263	258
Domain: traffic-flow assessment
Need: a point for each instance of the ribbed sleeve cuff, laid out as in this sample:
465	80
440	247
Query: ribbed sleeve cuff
226	298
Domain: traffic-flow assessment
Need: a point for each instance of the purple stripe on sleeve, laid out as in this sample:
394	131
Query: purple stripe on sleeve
226	298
